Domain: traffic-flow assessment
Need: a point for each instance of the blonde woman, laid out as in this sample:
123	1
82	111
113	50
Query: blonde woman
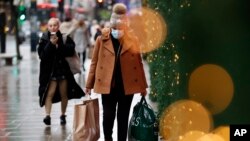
56	81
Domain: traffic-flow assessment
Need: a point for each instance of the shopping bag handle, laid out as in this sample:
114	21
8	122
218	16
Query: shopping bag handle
86	99
141	104
143	100
88	96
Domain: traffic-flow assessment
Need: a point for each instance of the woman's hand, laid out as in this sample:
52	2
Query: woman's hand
144	93
53	40
88	91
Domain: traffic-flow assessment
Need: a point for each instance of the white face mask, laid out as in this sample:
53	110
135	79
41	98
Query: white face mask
117	34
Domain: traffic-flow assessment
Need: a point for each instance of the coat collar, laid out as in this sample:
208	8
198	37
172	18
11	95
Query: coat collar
107	42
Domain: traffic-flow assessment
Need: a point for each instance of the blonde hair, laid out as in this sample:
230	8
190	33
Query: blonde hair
54	20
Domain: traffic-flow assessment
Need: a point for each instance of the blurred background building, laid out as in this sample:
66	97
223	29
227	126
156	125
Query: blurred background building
28	11
29	17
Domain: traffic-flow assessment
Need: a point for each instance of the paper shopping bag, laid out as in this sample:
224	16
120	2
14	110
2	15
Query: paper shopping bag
86	121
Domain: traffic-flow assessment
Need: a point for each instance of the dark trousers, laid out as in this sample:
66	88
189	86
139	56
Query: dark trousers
83	57
34	39
109	103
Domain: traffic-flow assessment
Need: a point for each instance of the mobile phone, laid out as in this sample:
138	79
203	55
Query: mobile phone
52	34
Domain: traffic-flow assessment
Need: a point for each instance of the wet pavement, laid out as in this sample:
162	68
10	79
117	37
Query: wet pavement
20	114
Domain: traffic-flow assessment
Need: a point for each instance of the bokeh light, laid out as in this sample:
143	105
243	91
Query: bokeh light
150	28
223	131
210	137
212	86
191	136
184	116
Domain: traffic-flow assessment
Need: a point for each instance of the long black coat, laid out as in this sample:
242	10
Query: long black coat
49	55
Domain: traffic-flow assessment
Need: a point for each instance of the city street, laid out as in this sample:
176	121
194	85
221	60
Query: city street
20	114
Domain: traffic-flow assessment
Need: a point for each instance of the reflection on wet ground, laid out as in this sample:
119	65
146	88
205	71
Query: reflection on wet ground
20	114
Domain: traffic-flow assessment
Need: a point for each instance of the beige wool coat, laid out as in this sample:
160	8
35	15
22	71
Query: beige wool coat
103	62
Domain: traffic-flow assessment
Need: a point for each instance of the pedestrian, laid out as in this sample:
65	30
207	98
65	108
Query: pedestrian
34	38
56	81
99	30
81	38
68	26
116	72
93	29
2	29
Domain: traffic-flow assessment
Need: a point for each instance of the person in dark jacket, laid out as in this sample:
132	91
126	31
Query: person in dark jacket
56	81
2	30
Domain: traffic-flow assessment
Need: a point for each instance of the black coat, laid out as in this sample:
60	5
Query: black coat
49	55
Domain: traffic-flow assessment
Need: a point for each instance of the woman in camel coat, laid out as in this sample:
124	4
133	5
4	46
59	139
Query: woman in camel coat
116	72
103	65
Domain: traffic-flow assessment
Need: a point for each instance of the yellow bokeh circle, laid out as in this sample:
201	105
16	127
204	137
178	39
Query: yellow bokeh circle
184	116
191	136
223	131
150	28
210	137
212	86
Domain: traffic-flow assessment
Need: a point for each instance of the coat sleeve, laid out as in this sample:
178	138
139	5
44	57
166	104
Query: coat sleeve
143	72
69	48
46	50
140	62
95	55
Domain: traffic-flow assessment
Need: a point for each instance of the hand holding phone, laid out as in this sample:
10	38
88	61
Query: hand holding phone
53	38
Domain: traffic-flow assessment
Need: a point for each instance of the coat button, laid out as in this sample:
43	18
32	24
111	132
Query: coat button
136	80
134	68
99	80
101	67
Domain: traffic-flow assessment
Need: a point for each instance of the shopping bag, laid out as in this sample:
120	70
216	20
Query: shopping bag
143	123
74	63
86	121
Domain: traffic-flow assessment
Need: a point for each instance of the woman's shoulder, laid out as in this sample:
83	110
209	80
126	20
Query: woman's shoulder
43	39
45	35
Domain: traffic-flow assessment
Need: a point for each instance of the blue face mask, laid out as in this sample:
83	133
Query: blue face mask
117	34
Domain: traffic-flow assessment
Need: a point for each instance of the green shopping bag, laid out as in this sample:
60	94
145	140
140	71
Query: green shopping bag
143	125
